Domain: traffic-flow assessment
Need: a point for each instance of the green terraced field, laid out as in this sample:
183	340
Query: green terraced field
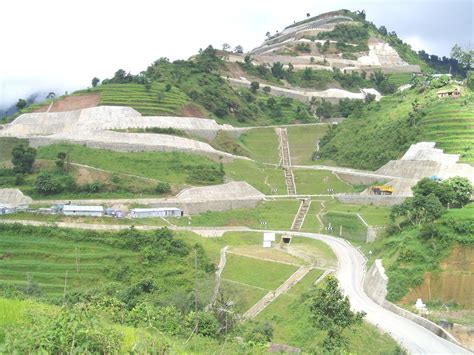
399	79
450	123
156	101
46	261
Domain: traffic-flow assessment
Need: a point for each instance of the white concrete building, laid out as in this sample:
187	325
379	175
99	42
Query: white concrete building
91	211
156	212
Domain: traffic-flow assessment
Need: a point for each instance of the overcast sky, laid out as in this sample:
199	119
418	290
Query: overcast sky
60	45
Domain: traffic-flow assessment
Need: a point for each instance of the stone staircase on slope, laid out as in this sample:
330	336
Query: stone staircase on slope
286	161
300	216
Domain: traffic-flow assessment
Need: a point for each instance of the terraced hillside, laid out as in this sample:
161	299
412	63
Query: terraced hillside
154	102
450	123
383	131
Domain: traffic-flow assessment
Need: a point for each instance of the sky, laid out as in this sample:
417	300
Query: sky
57	45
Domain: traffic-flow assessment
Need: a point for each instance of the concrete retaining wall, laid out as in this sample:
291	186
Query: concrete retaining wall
375	285
375	200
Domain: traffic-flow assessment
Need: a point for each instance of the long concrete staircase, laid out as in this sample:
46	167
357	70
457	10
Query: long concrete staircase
300	216
286	161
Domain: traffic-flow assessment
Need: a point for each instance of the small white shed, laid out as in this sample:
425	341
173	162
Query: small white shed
88	211
267	244
269	237
155	212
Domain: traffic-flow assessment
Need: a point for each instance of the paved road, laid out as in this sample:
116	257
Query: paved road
350	273
351	270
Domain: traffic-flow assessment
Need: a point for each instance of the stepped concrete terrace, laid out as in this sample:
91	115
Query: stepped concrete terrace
93	127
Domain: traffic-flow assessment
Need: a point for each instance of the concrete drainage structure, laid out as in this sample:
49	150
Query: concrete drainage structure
93	127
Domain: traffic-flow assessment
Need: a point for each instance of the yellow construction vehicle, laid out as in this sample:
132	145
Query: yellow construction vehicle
383	190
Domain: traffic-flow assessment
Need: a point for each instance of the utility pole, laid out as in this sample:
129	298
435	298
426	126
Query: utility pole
65	286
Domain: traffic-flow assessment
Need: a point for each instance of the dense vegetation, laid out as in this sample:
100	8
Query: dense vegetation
384	130
424	231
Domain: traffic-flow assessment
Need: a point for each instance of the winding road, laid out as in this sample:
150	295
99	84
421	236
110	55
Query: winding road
350	273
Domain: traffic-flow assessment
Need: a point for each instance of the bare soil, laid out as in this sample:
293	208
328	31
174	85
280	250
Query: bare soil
72	103
191	110
454	283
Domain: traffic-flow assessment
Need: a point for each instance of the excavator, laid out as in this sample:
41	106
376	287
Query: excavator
383	190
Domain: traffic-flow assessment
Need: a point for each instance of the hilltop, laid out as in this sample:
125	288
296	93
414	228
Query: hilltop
293	139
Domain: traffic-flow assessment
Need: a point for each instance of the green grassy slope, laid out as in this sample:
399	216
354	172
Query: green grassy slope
450	123
83	261
263	144
173	167
290	317
153	102
302	141
384	130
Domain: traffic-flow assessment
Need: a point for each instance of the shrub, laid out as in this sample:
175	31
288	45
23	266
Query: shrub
54	183
72	330
163	188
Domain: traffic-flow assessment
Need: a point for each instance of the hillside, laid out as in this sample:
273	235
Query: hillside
384	130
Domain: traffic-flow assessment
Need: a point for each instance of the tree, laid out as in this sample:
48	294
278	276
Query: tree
277	70
271	102
248	59
470	80
95	81
21	104
23	159
418	209
331	311
61	159
51	95
163	188
254	86
225	47
462	190
239	49
383	30
463	56
308	14
267	34
267	89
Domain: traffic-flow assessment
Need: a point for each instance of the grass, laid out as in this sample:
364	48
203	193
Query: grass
23	216
276	214
302	141
244	296
399	79
450	123
164	166
86	260
291	320
263	144
383	131
347	226
317	182
6	146
377	216
311	223
258	273
318	250
156	101
267	179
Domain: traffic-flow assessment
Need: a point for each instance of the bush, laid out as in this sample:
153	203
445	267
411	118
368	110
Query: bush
207	324
23	159
163	188
54	183
72	330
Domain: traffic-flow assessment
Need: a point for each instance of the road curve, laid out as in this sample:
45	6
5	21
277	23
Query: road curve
350	273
